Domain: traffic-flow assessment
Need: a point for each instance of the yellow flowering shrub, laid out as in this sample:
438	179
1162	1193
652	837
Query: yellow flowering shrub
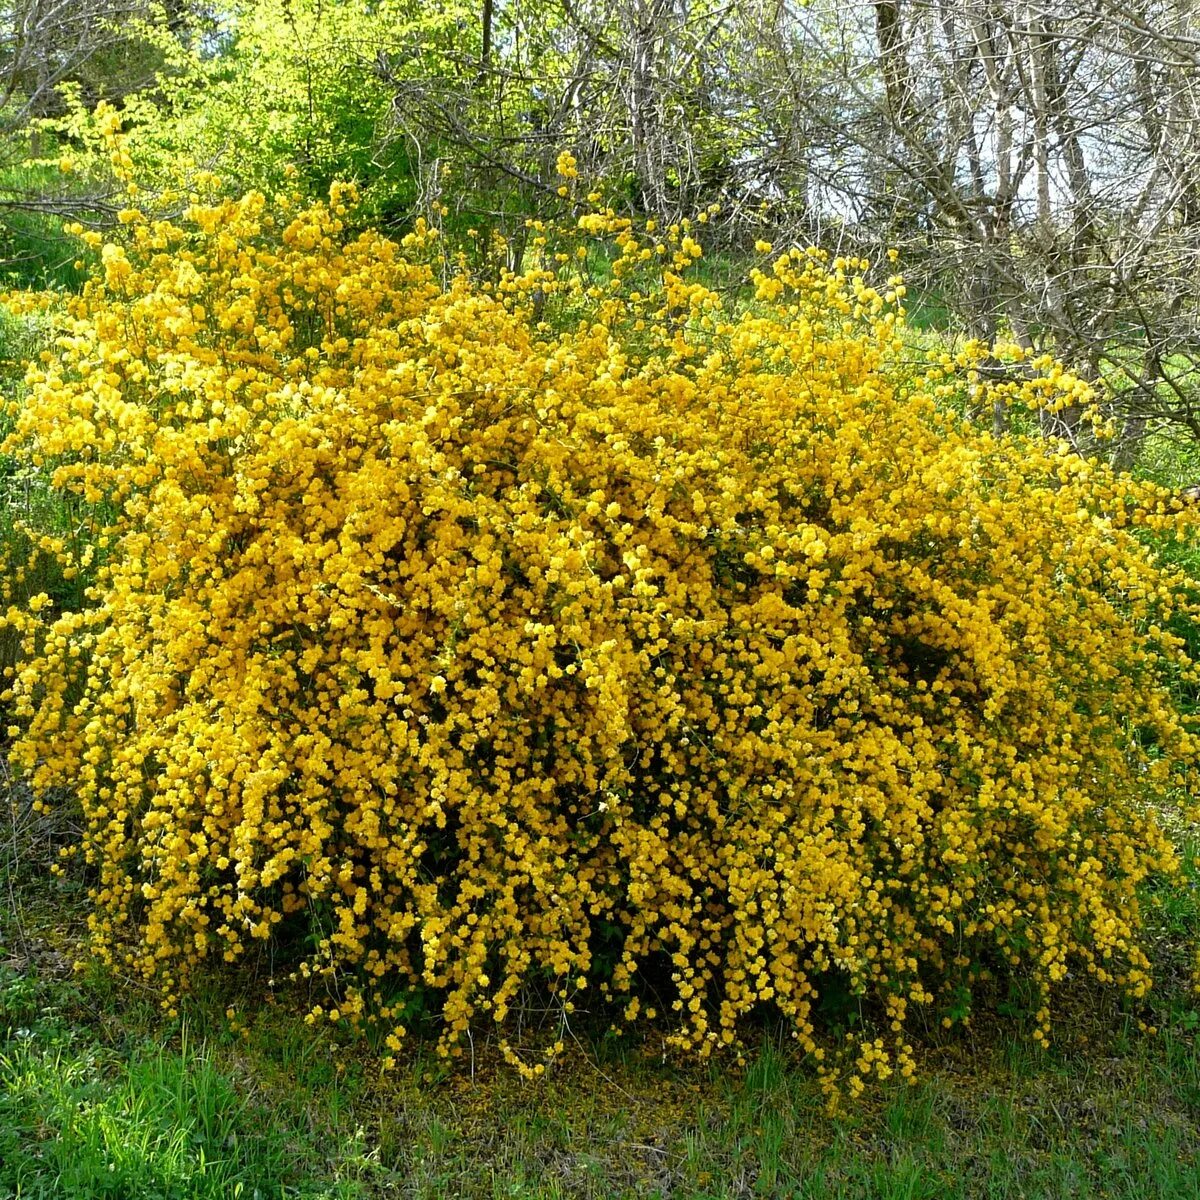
559	629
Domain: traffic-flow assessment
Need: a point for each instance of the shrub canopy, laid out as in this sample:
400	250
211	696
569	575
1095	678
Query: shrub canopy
561	627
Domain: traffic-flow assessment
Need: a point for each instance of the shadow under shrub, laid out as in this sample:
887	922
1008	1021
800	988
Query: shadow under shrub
542	631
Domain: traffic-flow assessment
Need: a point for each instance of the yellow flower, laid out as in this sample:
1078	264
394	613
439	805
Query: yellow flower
535	632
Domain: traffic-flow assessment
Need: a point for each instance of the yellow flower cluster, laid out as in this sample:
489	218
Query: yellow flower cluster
567	628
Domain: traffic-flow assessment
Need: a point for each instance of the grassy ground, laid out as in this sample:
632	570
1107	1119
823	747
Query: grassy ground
100	1096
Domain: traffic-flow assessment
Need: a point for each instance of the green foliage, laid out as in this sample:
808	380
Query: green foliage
284	95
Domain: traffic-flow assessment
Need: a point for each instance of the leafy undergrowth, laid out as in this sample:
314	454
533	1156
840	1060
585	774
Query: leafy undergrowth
100	1098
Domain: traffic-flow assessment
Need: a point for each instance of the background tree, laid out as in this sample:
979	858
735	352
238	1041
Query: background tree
1037	164
55	54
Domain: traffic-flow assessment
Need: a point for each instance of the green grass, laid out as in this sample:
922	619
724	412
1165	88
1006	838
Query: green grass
34	251
1173	461
36	254
78	1120
97	1102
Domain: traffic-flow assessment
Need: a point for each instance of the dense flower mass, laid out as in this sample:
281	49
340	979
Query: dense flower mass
556	627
